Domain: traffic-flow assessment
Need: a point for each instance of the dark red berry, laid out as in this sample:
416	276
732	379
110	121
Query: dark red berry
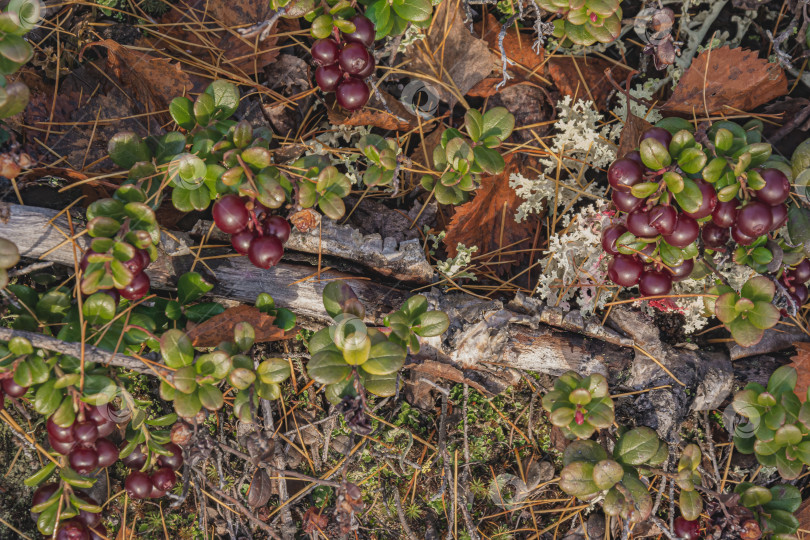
663	218
800	294
354	58
683	270
624	270
659	134
107	453
776	188
708	201
138	485
725	213
328	77
801	272
102	418
686	530
624	201
90	519
654	283
83	460
12	389
740	237
634	155
99	532
174	461
85	432
609	237
241	241
645	254
230	214
43	493
146	260
163	479
714	236
277	226
363	31
369	69
686	231
137	288
779	216
135	264
62	447
156	493
59	433
135	459
352	93
638	223
72	529
325	52
624	174
754	219
265	251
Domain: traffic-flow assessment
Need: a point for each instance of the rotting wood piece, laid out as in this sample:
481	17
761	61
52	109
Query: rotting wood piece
234	278
403	261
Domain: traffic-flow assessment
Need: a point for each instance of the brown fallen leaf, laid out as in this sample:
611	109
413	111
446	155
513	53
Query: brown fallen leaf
735	79
260	489
374	114
154	81
803	515
450	53
488	220
584	78
634	126
531	105
220	327
801	361
518	49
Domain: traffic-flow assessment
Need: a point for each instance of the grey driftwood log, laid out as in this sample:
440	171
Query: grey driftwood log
487	346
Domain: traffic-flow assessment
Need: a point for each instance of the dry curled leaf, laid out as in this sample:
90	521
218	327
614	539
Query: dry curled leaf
451	51
518	49
374	114
735	79
801	361
634	126
584	78
313	521
488	220
220	327
260	489
305	220
154	81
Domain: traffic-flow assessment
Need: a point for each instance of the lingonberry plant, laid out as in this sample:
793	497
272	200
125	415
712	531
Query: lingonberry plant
17	19
578	405
688	198
746	314
778	428
348	356
460	162
584	22
773	508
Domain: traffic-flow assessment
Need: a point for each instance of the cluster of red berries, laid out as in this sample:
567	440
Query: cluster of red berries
85	442
139	285
795	279
141	485
85	526
254	231
743	222
343	64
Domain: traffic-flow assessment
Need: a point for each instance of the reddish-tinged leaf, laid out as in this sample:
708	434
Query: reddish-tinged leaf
801	361
736	79
584	78
631	133
314	521
478	222
374	114
220	327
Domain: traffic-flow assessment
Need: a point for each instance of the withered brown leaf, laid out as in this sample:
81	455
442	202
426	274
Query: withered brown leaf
220	327
726	79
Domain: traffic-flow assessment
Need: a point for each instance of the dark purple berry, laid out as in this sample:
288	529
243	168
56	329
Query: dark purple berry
328	77
325	52
623	174
363	31
624	270
686	231
776	188
352	93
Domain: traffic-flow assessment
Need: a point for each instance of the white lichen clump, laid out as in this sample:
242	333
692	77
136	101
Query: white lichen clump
575	266
582	141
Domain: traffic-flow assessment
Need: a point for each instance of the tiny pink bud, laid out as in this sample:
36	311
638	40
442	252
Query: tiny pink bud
579	418
594	17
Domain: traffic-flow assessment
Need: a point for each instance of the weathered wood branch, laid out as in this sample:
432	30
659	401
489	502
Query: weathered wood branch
404	261
91	353
40	234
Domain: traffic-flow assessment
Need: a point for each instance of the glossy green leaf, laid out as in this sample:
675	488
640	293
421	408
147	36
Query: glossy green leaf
126	148
274	370
176	349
